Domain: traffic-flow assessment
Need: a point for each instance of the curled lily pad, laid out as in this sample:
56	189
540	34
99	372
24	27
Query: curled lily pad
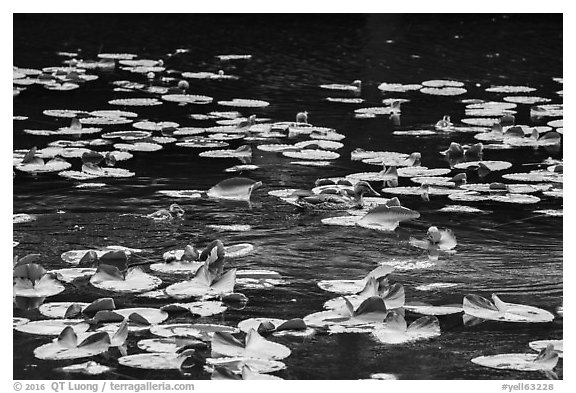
545	360
278	327
60	309
236	188
35	286
387	218
204	284
346	287
371	312
134	280
67	347
479	307
394	330
254	346
393	296
152	315
52	327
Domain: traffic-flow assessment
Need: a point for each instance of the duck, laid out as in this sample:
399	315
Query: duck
173	212
338	198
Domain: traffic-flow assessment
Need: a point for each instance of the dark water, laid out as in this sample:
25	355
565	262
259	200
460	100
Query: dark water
511	251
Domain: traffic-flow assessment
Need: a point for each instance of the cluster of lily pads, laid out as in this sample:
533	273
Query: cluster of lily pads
370	305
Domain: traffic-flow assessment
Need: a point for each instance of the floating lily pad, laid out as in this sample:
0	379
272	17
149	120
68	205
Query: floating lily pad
176	267
498	310
443	91
233	57
489	165
87	368
394	330
412	171
135	280
153	361
435	286
535	176
135	102
345	100
52	327
519	361
236	188
237	364
510	89
428	309
278	327
481	121
461	209
311	154
415	132
58	309
398	87
191	330
16	321
558	346
155	126
347	287
442	83
138	146
66	346
254	346
22	218
244	103
192	194
187	98
66	113
528	100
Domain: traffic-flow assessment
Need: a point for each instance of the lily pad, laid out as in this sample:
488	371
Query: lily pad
539	345
133	281
428	309
498	310
66	346
52	327
254	346
394	330
244	103
546	360
236	188
135	102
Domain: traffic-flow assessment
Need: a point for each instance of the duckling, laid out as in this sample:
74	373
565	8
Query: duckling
344	199
302	117
444	125
173	212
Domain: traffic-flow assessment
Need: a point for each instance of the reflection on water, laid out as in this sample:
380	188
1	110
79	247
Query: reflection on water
509	251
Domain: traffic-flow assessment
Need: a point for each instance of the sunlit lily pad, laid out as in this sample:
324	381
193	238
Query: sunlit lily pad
442	83
52	327
166	345
153	361
236	188
414	132
370	313
547	110
135	102
535	176
138	146
345	100
244	103
428	309
58	309
254	346
16	321
22	218
347	287
412	171
311	154
176	267
398	87
278	327
187	98
87	368
490	165
480	121
461	209
237	364
66	113
510	89
443	91
134	280
66	347
545	360
191	194
199	331
113	113
71	274
155	126
435	286
394	330
528	100
233	57
498	310
540	345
